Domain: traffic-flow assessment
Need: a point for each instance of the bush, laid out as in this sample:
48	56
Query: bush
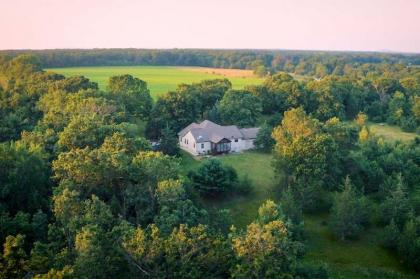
214	178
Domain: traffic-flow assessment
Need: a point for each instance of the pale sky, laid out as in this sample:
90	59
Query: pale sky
372	25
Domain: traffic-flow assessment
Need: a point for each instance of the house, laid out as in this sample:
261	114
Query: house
211	138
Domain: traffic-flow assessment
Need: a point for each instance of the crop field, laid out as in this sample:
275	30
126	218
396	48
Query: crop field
363	258
161	79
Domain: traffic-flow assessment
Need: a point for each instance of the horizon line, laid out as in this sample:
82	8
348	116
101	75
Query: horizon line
237	49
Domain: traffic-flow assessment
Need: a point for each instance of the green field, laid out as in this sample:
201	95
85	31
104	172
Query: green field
391	133
363	258
160	79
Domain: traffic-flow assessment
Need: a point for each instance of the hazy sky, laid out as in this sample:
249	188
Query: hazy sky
287	24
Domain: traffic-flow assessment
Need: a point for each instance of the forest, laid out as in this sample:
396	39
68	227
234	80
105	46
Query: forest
84	194
314	63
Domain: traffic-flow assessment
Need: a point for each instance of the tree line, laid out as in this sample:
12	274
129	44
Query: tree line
312	63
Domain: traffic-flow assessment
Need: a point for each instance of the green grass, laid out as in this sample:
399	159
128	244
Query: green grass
391	133
363	258
257	166
160	79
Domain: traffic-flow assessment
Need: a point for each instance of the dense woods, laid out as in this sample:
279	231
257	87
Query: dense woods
83	194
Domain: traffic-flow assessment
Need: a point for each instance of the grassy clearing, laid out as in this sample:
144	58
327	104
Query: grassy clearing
161	79
257	166
362	258
391	133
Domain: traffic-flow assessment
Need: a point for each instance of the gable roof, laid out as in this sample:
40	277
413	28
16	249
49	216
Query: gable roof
209	131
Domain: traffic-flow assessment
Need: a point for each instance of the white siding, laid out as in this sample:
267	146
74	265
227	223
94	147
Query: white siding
187	143
203	147
248	144
236	146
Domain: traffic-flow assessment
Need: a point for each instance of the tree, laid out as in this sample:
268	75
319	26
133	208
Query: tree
361	119
208	93
396	206
349	213
133	93
398	108
13	262
175	208
188	252
169	142
239	107
175	109
269	211
409	244
281	92
24	184
264	141
213	178
264	251
302	152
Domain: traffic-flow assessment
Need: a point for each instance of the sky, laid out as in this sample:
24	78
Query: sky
361	25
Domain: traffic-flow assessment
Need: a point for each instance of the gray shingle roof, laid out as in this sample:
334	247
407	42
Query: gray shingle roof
250	133
209	131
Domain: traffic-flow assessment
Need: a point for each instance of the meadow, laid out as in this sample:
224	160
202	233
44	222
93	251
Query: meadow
161	79
391	133
363	258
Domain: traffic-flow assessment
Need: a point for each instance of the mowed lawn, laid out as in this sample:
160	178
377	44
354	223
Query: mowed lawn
391	133
363	258
161	79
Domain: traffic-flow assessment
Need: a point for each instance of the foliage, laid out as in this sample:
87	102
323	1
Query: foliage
239	107
169	142
349	213
214	178
264	141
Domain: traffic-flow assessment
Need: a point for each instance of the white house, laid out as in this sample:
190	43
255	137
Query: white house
211	138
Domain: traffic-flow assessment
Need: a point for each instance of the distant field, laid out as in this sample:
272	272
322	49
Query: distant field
363	258
161	79
391	133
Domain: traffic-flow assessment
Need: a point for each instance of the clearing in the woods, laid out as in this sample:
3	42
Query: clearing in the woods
363	258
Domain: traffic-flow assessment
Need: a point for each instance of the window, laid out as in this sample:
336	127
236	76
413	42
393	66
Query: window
236	140
202	145
194	145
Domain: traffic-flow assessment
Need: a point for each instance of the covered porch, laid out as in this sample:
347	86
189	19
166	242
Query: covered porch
223	146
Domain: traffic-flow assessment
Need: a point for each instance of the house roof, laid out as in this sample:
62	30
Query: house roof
250	133
209	131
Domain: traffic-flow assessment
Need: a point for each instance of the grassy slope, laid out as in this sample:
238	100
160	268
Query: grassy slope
160	79
363	258
391	133
258	169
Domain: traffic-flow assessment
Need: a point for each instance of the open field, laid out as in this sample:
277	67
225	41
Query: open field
363	258
391	133
228	73
161	79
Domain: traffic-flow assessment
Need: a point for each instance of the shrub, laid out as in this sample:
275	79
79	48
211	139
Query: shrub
214	178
